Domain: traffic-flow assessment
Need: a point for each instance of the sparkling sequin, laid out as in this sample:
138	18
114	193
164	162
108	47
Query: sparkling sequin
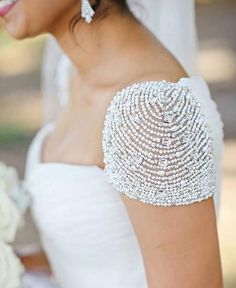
163	162
166	141
168	116
161	153
161	173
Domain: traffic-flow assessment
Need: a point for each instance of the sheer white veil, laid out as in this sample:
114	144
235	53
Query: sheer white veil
172	21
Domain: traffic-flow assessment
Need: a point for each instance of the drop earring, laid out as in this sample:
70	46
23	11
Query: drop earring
87	11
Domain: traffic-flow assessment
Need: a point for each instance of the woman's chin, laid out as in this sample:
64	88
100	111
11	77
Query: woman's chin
16	32
21	32
16	22
19	29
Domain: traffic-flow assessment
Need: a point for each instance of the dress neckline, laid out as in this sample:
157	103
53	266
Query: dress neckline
44	132
49	127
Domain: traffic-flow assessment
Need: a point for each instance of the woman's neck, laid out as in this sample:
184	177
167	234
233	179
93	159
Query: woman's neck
101	46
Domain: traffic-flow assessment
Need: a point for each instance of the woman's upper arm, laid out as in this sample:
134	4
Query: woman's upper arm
159	154
179	244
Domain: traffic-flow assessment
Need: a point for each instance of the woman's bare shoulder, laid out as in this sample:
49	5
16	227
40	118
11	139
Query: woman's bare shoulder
159	64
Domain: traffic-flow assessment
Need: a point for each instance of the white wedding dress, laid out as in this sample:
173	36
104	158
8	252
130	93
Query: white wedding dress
84	226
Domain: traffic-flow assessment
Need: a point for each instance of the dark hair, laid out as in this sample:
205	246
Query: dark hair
120	4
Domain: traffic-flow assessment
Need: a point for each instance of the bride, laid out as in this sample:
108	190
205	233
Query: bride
125	181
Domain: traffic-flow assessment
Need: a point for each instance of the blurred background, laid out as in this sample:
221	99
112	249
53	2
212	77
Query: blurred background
21	104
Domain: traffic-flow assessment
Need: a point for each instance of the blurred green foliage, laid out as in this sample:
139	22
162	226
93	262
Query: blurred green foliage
12	135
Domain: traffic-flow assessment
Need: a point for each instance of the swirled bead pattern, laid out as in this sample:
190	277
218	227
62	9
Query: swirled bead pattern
157	145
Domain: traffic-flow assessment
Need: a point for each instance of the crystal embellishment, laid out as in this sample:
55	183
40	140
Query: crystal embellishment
168	158
166	141
168	117
87	11
135	161
163	163
161	173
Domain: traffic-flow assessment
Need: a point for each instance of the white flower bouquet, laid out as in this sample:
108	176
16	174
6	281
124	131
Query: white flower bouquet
13	203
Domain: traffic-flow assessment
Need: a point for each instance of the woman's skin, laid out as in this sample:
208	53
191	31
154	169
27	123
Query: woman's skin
179	244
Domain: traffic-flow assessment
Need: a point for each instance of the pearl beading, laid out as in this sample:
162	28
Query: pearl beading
157	146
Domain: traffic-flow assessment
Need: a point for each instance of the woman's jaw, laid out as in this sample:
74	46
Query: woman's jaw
29	18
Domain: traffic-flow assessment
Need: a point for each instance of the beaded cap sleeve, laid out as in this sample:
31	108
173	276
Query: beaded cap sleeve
157	146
